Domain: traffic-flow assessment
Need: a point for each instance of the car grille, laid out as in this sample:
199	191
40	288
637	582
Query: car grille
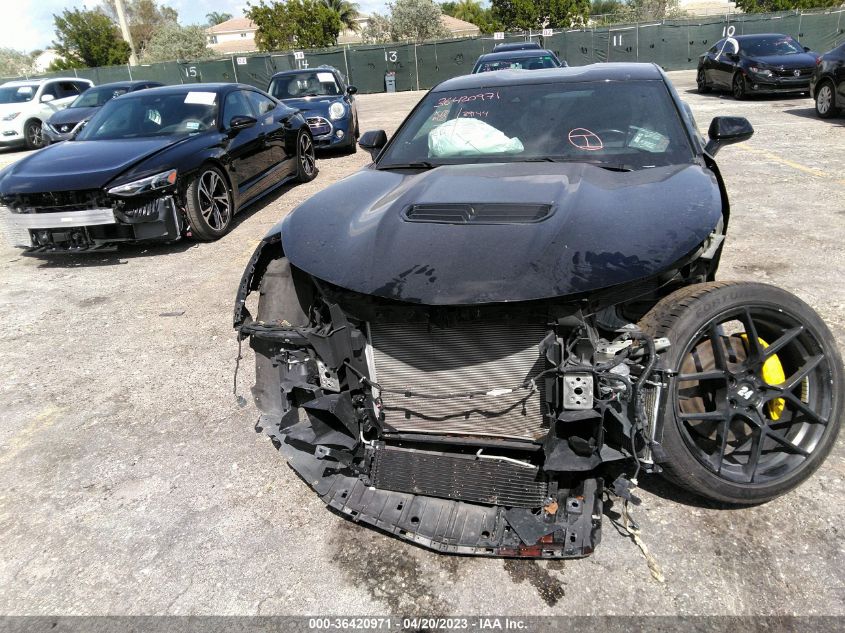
63	128
463	357
319	126
790	72
58	201
487	213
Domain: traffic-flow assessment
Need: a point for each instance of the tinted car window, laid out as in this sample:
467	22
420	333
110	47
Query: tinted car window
262	104
95	97
525	63
18	94
313	83
634	123
81	86
764	47
67	89
144	115
237	104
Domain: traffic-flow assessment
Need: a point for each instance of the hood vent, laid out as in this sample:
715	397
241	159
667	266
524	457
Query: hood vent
486	213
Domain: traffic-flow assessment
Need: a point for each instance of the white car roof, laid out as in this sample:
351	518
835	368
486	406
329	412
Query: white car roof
31	82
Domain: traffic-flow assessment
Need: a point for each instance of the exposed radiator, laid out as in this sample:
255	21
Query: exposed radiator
497	482
468	356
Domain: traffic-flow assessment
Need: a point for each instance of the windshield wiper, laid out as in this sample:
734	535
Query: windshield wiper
568	159
422	164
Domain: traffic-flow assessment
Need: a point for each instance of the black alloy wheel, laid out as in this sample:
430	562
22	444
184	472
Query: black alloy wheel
738	87
210	204
758	398
33	136
701	82
306	161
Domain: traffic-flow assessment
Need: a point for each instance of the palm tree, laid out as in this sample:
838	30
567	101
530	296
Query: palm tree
467	10
346	11
217	17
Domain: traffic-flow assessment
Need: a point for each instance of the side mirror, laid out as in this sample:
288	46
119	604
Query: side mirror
47	98
373	141
806	49
727	130
238	123
351	90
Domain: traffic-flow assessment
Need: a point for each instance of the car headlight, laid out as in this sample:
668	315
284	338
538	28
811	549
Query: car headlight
336	111
765	72
11	116
145	185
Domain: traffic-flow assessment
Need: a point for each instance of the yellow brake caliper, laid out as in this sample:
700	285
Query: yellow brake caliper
773	375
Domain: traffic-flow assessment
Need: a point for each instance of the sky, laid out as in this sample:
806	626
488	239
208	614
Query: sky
28	24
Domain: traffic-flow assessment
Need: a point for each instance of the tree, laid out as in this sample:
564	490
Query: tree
14	63
416	20
377	30
145	17
769	6
177	42
472	11
521	15
217	17
294	23
87	38
346	11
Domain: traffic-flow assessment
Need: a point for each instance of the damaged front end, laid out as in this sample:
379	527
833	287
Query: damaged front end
477	430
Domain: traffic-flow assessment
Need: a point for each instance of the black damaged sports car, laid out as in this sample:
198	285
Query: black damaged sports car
457	343
155	165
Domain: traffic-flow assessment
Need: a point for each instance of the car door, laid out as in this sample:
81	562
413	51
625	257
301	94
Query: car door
275	117
349	98
724	63
839	74
708	61
246	147
66	92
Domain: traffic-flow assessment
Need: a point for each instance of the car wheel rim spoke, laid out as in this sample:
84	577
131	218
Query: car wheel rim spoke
824	99
214	202
732	420
306	154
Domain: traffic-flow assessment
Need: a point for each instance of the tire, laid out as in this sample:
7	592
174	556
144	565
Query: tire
209	204
701	82
33	137
306	162
825	101
733	413
738	87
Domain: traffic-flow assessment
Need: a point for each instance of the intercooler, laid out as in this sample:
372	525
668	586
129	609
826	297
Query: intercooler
467	356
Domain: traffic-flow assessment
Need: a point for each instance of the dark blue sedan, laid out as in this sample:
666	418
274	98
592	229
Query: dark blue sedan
326	101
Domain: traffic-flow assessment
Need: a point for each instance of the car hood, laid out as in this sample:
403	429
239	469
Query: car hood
77	165
606	228
71	115
317	105
796	60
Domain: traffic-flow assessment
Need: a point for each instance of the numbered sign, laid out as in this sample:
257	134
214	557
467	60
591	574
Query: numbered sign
241	61
298	55
498	35
391	56
547	33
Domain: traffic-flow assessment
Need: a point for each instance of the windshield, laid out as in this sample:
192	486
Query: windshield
305	84
17	94
765	47
518	63
95	97
631	123
153	115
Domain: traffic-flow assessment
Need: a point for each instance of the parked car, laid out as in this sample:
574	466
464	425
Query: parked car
756	64
531	59
326	101
157	165
25	105
515	46
827	85
452	343
61	124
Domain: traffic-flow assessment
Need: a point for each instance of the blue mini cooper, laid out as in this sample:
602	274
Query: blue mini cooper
325	100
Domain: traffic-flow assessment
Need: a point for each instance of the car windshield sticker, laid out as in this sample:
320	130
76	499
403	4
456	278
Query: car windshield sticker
582	138
202	98
649	140
154	116
326	78
192	125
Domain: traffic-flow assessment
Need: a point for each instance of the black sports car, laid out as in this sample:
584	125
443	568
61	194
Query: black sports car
156	165
457	343
767	63
61	125
827	86
525	59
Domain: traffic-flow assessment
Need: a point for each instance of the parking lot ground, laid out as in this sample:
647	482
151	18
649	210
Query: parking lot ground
131	482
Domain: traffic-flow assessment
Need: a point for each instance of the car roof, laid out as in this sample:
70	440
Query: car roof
611	71
129	84
186	88
294	71
531	52
759	36
30	82
516	46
